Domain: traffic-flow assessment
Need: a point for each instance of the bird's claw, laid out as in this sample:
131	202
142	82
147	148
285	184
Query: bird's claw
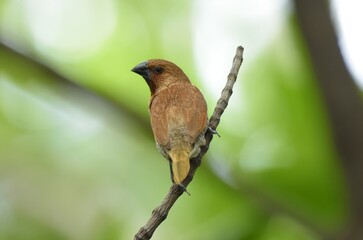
184	189
213	131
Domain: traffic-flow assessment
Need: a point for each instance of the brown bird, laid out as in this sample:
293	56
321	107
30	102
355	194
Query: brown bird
178	114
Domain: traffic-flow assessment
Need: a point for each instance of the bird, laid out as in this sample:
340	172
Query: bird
178	114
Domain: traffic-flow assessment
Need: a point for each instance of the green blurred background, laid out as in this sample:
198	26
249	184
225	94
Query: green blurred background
77	156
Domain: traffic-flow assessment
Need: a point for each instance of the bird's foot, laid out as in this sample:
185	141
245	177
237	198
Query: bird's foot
184	188
213	131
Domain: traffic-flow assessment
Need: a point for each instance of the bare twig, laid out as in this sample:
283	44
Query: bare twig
160	213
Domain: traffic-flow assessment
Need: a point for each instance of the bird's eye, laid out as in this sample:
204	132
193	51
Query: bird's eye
158	70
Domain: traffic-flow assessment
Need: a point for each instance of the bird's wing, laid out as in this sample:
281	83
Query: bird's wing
195	111
179	111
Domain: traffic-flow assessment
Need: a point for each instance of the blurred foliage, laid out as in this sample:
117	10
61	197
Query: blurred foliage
77	158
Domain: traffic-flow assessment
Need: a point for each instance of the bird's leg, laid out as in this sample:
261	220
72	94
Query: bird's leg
213	131
184	188
171	171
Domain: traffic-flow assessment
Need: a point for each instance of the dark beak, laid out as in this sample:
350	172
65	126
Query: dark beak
142	70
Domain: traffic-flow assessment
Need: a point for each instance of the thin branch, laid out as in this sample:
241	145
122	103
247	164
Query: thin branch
160	213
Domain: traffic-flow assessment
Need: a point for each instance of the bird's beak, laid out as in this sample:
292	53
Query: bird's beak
142	70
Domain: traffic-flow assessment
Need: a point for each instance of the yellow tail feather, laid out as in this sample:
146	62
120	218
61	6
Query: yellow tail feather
179	164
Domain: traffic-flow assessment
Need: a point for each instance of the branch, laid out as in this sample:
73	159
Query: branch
342	100
160	213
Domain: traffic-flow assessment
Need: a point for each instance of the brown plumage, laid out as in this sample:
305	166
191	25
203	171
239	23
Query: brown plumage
178	114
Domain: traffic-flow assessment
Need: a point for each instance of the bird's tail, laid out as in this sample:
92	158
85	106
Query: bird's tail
179	163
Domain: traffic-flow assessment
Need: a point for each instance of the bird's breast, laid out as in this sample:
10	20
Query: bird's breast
177	113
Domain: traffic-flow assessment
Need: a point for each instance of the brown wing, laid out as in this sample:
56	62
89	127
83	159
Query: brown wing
195	112
158	118
178	111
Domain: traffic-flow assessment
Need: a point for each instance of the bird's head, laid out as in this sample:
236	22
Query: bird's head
160	74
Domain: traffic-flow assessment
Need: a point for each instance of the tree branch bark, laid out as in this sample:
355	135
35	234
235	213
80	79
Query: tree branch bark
342	99
160	213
